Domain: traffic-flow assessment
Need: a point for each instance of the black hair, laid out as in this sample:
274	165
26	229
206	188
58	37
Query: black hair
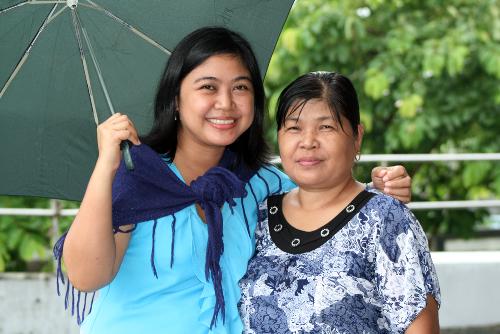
250	148
335	89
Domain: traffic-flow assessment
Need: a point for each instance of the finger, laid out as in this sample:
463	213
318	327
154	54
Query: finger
403	194
394	172
396	191
113	117
404	182
121	118
122	134
379	172
134	137
127	134
109	121
120	125
404	199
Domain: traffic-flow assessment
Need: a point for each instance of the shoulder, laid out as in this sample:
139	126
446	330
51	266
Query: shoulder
269	180
397	228
390	215
388	208
271	173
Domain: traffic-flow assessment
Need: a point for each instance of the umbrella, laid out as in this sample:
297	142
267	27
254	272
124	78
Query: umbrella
66	66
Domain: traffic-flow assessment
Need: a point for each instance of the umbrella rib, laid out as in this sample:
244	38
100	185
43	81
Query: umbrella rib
96	66
26	52
56	14
130	27
36	2
85	67
13	6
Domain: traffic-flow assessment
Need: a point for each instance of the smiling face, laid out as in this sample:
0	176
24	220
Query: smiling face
315	151
216	102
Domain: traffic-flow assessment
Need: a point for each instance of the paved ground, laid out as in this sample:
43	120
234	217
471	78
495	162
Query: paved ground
473	330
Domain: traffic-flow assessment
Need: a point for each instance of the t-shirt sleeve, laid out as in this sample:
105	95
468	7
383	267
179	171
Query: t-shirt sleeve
269	180
404	271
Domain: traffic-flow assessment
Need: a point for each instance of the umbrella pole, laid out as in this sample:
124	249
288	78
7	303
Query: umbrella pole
124	145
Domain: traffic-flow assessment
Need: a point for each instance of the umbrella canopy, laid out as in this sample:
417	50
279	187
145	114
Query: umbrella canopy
65	66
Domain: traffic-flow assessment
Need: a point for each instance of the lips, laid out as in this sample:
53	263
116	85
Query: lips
222	123
306	162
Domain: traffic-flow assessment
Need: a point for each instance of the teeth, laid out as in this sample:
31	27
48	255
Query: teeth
221	121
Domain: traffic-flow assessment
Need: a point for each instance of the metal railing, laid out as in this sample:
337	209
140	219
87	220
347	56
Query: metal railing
56	209
435	157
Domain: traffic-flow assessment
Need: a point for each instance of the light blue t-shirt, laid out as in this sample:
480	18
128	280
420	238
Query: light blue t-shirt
181	300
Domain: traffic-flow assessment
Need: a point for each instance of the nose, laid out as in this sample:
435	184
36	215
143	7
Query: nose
308	140
224	99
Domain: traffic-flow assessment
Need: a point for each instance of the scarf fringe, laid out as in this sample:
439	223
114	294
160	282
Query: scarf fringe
253	194
211	191
173	240
215	248
153	251
80	315
153	266
245	216
280	188
265	183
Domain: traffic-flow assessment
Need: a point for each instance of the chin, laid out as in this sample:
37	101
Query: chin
222	141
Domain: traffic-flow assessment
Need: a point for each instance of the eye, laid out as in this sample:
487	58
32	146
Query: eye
292	128
326	127
241	87
208	87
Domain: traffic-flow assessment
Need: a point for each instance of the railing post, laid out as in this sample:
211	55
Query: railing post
55	206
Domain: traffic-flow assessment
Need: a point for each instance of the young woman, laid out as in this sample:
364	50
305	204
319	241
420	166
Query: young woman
332	257
167	243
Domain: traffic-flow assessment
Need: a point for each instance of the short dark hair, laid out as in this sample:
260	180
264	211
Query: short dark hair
335	89
189	53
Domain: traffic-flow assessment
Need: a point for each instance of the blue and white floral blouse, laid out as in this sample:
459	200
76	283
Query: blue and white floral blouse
368	270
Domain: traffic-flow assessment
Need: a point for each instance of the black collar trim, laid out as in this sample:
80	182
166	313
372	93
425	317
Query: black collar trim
295	241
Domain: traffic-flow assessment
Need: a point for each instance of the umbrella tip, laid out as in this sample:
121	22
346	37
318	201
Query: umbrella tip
72	3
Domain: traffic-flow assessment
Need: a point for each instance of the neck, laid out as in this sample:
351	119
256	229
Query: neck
196	160
313	198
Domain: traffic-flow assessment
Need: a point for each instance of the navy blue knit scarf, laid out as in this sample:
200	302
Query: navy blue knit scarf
152	190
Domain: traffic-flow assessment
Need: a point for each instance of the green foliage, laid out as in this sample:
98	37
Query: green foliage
428	78
25	242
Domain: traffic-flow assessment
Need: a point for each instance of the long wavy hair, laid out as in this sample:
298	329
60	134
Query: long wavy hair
250	148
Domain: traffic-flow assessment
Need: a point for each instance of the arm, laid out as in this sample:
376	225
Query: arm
406	283
92	252
427	321
394	181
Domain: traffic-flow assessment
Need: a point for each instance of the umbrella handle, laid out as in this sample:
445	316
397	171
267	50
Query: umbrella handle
125	147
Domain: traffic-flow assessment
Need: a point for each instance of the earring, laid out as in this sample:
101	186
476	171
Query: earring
358	156
175	115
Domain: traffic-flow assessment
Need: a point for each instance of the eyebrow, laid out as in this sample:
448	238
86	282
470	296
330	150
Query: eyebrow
296	118
240	78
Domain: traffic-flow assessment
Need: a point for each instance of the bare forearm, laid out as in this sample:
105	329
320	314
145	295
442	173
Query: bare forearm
427	322
89	249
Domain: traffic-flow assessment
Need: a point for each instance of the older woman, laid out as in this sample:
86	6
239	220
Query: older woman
332	257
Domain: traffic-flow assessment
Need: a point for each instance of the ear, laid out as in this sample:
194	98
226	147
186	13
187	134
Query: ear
359	138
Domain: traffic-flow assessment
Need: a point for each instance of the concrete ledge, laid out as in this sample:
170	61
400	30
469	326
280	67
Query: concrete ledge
29	304
470	288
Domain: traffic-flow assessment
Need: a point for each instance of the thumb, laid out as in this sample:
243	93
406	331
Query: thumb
379	172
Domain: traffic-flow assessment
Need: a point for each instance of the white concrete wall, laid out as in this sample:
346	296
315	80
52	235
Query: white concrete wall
470	287
29	304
